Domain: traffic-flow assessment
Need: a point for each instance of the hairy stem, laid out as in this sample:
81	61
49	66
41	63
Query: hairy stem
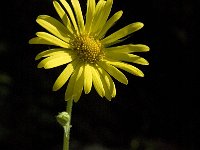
68	126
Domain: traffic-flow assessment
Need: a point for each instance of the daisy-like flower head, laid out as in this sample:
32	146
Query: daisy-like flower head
91	57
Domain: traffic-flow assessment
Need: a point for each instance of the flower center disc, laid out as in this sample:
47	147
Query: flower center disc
88	49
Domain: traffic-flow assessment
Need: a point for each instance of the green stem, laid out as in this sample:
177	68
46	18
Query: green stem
68	126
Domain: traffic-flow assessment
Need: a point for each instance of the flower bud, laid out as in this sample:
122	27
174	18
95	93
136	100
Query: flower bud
63	118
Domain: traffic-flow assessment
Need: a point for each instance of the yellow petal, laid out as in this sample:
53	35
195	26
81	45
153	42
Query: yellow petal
78	86
58	62
44	61
54	27
105	87
113	71
129	68
64	76
52	39
127	57
52	52
79	15
108	81
107	92
63	16
130	48
70	12
104	13
89	14
87	79
55	60
109	24
98	85
69	94
38	40
122	33
97	14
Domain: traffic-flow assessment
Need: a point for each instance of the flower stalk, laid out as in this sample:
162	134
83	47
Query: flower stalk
64	119
68	126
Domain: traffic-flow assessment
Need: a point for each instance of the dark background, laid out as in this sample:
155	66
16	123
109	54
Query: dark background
157	112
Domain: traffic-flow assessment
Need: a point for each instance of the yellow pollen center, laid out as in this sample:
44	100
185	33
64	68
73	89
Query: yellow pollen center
88	49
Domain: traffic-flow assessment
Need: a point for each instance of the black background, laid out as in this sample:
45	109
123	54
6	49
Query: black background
157	112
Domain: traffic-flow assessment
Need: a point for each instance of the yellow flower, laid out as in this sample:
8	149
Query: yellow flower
91	56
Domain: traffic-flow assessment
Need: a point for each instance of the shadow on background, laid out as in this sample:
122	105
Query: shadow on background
158	112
